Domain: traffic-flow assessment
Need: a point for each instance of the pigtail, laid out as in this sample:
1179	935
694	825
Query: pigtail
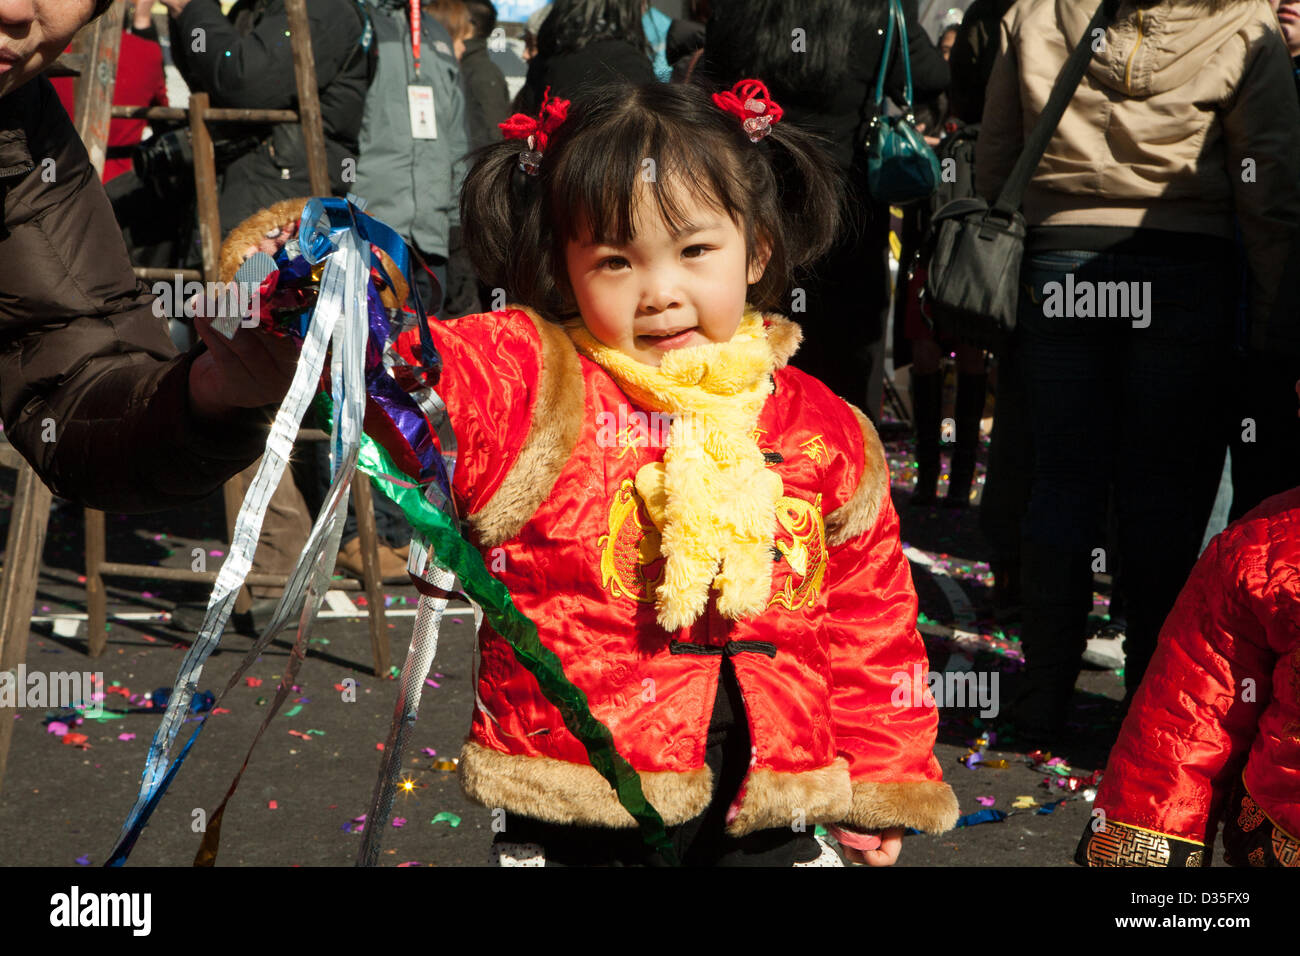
802	204
810	189
493	208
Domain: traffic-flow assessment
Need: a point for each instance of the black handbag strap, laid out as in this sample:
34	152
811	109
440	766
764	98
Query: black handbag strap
1062	92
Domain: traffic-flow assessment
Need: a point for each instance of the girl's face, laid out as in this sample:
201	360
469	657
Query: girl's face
662	291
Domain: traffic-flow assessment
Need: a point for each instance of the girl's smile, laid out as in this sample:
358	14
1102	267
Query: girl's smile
670	340
666	288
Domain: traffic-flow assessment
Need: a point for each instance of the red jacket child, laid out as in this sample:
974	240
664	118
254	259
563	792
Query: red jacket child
555	467
1214	731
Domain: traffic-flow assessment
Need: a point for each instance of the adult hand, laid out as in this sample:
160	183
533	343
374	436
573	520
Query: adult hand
253	369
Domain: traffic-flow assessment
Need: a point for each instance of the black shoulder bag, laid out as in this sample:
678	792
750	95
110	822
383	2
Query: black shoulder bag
973	285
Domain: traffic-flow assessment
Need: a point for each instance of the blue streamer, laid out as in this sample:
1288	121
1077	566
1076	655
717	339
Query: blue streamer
322	220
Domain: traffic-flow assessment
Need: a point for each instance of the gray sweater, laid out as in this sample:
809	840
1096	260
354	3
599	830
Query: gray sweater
413	184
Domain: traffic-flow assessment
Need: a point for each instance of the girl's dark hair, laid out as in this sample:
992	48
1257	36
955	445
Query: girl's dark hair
757	38
573	24
783	191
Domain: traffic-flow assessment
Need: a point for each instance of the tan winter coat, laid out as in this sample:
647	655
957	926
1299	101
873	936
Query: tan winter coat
1186	116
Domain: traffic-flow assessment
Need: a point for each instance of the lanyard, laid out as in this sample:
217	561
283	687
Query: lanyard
415	33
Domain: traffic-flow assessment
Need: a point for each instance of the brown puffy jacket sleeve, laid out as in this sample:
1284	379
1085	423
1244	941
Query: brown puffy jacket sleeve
92	391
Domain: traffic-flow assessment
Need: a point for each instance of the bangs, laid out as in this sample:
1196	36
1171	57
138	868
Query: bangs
626	151
642	160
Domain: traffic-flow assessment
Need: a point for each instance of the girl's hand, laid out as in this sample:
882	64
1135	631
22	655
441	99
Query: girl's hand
886	854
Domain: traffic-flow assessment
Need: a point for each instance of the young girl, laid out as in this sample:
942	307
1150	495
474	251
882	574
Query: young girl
701	533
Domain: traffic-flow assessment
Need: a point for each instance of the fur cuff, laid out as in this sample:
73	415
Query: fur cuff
928	805
773	800
544	788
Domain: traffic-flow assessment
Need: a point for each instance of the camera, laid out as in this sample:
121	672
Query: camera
165	161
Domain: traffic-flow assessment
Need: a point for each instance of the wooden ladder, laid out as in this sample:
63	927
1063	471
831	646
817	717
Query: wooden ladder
94	56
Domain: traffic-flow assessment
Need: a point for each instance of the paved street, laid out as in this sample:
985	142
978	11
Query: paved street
314	769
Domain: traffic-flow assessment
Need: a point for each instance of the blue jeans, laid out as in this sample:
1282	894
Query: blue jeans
1132	399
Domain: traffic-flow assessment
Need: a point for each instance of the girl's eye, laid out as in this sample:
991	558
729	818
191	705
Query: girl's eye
694	252
614	263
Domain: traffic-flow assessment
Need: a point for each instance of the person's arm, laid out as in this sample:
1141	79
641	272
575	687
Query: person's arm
876	653
487	102
1192	721
1261	127
458	149
92	391
255	71
966	91
1002	134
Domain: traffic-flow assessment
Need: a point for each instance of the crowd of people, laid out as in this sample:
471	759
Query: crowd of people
761	251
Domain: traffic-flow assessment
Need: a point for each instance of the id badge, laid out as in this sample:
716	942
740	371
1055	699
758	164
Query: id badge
424	124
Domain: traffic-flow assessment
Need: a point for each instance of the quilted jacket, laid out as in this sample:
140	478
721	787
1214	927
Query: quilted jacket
1185	120
548	450
92	392
1219	708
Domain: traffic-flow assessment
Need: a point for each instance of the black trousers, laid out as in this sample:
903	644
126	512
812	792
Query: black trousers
699	842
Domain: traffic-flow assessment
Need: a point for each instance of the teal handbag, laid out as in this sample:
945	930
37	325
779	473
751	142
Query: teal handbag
901	166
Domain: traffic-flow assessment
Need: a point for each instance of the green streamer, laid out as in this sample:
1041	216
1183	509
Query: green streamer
459	556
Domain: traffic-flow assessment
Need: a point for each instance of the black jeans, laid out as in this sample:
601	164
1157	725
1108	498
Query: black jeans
1011	459
699	842
1133	398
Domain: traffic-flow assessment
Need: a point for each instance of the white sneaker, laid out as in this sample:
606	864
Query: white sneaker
1105	650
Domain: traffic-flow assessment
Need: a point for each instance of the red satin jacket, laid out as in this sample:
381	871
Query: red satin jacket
1214	731
549	447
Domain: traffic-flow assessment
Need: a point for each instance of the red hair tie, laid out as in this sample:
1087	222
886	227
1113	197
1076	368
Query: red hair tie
537	131
750	102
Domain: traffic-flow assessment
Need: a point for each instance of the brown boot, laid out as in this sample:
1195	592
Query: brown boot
392	565
349	559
